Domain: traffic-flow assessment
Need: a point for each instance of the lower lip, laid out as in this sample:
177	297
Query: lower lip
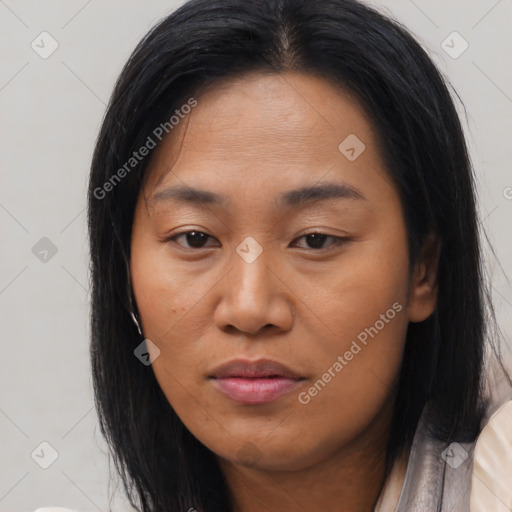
255	391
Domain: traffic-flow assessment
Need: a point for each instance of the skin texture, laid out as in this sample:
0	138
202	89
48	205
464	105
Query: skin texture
253	138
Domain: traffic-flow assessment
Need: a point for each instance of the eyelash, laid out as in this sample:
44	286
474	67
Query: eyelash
337	240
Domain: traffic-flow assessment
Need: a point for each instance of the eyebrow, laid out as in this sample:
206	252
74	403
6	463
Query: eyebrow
295	197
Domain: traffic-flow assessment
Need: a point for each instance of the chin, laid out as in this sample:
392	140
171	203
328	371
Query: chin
266	457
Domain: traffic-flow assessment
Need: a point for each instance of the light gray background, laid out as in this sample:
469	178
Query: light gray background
51	111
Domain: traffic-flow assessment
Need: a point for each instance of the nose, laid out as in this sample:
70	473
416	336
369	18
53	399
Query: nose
254	297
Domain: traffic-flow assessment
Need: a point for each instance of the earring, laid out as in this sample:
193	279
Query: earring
134	318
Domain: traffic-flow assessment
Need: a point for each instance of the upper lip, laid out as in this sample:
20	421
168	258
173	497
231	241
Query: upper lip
253	369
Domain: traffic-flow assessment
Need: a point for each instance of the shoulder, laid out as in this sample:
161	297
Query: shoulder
492	465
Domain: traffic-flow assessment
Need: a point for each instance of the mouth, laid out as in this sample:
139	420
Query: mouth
255	382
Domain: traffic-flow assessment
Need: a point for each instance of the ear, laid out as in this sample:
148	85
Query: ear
424	282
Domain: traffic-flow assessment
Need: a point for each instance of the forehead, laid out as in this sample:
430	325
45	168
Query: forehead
264	130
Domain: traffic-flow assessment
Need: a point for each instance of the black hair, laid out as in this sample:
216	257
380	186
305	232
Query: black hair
162	465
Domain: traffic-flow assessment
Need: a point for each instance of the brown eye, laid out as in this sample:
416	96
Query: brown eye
318	240
193	239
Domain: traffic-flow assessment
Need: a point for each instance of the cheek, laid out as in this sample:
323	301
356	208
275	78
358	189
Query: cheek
359	370
357	361
363	329
352	293
173	317
166	294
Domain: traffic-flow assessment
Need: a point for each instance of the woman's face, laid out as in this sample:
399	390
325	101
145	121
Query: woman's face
280	157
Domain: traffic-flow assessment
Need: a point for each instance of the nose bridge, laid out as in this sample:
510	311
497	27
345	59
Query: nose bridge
251	274
251	296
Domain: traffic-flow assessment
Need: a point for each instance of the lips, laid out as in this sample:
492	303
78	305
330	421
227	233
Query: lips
254	382
253	369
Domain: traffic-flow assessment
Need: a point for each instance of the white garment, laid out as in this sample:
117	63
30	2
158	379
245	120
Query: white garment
492	473
54	509
490	476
